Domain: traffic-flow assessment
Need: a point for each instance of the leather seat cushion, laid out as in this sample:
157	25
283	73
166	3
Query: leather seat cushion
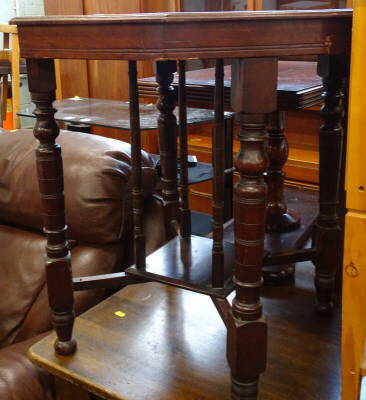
97	184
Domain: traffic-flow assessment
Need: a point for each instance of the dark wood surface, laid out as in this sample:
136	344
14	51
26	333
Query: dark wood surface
298	86
171	345
185	35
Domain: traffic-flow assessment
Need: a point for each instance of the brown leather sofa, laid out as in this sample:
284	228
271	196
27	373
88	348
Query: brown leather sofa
97	174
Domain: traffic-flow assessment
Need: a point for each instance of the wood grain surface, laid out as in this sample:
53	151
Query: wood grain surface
171	345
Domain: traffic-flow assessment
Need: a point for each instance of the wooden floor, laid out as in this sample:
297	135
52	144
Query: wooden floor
304	348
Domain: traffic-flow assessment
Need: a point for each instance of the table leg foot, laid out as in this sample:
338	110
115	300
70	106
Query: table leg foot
65	348
244	391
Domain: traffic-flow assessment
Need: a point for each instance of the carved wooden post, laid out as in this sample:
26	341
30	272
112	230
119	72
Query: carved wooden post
185	212
279	218
137	198
167	128
247	331
41	78
218	158
328	233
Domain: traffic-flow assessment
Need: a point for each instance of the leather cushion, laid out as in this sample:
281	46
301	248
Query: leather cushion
97	172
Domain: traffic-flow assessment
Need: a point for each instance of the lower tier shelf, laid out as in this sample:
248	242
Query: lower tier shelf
188	263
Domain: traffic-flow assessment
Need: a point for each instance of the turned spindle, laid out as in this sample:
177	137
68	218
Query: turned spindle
41	79
136	160
185	213
218	161
327	231
167	133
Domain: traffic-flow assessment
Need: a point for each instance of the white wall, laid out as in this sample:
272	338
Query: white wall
8	10
30	7
11	8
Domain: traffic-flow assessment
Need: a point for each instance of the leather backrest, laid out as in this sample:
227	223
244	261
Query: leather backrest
97	172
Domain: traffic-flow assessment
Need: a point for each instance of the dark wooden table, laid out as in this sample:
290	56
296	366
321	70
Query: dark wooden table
254	40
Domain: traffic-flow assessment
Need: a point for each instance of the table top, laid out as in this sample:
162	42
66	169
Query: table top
159	346
293	77
115	114
169	36
298	86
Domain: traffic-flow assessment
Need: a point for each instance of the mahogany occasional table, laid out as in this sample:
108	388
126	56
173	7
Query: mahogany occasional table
254	40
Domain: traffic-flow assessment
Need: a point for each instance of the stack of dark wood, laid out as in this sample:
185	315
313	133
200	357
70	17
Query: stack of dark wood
299	86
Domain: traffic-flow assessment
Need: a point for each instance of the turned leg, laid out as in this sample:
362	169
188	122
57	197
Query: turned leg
167	132
279	217
228	179
327	231
247	331
41	78
218	162
137	197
